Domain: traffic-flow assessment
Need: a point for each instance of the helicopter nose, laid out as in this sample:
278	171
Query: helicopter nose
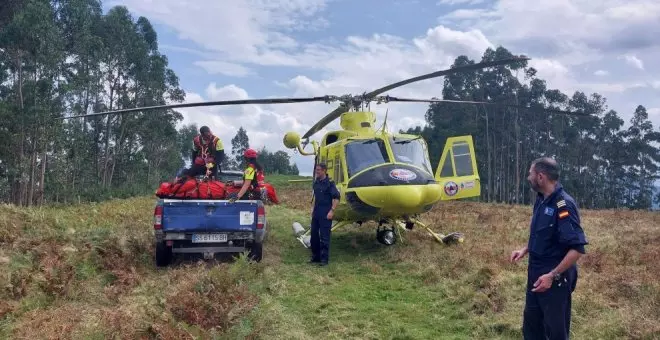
397	200
410	198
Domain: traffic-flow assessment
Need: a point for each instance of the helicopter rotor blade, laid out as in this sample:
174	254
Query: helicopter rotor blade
447	72
415	100
367	97
214	103
326	120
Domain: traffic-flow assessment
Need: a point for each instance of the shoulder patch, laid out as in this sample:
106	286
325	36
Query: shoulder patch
561	204
563	214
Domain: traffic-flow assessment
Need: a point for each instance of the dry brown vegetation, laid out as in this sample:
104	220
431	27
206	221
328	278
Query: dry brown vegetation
618	291
86	272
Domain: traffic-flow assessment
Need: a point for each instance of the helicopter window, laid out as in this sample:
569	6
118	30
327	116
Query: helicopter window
331	139
339	176
411	151
447	170
363	154
462	159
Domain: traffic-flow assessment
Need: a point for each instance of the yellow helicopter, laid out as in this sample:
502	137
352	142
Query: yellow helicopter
382	177
387	177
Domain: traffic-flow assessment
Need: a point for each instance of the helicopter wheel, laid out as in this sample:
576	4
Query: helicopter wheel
386	236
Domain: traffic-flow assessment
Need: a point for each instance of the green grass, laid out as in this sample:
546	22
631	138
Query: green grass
86	272
354	297
283	181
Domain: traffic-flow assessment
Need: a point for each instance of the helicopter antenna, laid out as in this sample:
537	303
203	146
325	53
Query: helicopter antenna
385	121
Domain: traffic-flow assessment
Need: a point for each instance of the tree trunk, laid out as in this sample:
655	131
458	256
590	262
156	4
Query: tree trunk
489	186
35	141
21	155
517	179
117	150
42	183
33	170
107	134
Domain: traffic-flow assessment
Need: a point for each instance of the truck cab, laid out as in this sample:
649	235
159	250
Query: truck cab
208	227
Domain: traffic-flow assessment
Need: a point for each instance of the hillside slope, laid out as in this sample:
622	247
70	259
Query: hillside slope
87	272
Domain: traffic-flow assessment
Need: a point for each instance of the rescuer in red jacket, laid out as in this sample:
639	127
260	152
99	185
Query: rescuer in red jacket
207	152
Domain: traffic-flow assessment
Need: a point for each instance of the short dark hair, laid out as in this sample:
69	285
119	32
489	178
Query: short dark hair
547	166
204	129
322	165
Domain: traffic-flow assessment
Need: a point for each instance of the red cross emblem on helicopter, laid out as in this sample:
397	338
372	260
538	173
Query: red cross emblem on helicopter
451	188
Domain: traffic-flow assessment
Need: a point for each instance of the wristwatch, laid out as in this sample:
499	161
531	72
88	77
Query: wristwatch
555	276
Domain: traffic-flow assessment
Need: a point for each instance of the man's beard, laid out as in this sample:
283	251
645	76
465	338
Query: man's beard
535	186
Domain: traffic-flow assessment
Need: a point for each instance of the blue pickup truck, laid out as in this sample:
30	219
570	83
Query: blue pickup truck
208	227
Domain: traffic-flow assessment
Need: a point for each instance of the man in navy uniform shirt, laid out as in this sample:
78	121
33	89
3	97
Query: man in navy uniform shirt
326	198
555	244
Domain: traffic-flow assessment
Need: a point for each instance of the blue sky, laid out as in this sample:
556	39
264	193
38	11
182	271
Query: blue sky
231	49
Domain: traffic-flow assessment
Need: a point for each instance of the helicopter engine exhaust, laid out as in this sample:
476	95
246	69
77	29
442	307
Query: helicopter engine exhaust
299	233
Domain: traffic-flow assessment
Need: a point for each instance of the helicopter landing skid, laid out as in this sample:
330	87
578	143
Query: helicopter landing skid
450	238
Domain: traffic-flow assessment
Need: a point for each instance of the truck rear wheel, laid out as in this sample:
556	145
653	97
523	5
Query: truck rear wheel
256	251
163	254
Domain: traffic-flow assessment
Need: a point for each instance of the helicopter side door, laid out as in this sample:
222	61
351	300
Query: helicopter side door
457	171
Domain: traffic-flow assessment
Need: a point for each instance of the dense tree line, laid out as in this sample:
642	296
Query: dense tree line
65	57
603	165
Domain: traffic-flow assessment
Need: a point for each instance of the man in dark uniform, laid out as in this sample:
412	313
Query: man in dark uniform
326	198
555	244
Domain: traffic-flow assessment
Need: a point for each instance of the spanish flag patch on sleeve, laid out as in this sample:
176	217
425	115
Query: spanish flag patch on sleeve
563	214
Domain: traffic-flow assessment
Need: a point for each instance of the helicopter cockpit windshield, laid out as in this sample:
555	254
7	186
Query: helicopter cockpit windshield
362	154
411	151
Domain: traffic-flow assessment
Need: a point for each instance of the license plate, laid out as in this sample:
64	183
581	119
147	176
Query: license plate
209	238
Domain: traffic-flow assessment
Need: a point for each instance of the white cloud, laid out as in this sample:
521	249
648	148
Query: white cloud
634	61
654	111
221	67
460	2
575	31
238	30
563	38
578	35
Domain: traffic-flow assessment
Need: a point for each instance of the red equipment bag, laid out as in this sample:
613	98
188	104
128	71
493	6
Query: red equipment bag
232	189
164	190
211	190
270	191
187	189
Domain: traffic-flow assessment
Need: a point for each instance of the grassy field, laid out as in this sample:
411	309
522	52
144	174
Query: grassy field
86	272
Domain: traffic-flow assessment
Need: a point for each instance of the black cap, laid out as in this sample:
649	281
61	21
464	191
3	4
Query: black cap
204	129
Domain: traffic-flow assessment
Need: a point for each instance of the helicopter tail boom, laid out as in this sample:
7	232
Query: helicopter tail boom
457	170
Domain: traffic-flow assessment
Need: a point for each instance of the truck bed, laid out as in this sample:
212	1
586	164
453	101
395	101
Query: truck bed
209	215
208	227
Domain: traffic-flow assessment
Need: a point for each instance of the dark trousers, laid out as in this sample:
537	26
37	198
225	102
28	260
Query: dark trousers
548	315
320	238
200	170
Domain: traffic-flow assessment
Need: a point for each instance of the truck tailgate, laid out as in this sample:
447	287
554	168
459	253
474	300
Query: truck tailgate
208	215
